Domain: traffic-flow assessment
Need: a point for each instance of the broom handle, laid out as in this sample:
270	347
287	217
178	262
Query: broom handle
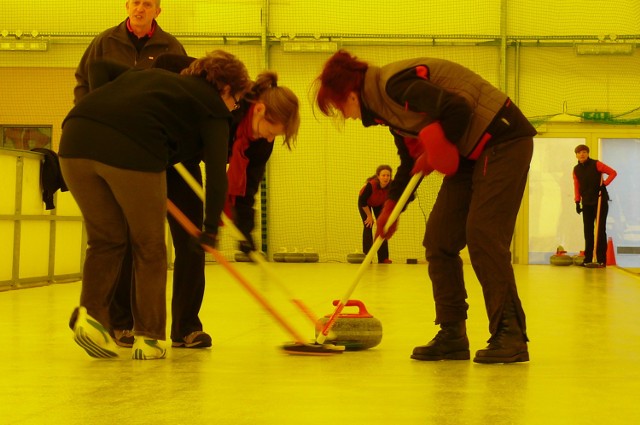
239	236
413	183
194	231
594	259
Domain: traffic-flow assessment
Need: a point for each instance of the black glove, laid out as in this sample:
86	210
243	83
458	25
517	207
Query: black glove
578	208
246	246
603	189
208	239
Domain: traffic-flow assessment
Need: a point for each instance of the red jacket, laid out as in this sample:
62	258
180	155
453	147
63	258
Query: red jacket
372	194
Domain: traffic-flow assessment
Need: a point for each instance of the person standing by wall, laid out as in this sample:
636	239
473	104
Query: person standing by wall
445	117
371	198
590	190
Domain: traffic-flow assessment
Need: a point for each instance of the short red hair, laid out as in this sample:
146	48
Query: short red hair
342	74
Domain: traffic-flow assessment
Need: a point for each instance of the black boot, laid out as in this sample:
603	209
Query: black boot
509	344
450	343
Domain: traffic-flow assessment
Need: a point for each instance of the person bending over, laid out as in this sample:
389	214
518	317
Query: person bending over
447	118
267	111
115	147
371	198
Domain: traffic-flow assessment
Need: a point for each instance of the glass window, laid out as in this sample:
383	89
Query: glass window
26	137
623	221
552	216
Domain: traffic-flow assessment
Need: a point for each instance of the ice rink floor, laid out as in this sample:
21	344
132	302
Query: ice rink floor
584	348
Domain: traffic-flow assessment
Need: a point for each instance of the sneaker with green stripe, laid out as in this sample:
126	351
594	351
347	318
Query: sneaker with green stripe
148	349
89	334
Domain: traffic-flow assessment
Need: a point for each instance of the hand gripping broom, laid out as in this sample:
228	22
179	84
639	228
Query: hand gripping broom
258	259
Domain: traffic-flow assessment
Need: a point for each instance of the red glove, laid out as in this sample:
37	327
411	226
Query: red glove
422	164
382	220
439	153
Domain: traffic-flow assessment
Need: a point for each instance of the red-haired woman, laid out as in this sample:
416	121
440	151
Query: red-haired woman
447	118
370	201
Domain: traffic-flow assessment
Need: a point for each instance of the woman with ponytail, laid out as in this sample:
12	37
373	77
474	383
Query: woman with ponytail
266	112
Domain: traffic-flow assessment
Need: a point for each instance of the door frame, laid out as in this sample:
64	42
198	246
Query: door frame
591	133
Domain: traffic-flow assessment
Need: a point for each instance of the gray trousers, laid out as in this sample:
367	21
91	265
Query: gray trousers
119	205
478	207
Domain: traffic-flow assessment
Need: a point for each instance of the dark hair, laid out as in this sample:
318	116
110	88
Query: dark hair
221	68
342	74
380	169
281	104
581	148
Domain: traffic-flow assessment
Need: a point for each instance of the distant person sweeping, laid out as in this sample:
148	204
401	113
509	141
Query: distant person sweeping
590	189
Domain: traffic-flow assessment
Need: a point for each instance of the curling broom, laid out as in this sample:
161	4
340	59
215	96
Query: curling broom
324	333
311	349
594	260
253	255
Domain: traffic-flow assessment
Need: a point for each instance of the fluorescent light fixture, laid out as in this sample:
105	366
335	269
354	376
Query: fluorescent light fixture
195	40
24	45
605	48
310	46
564	117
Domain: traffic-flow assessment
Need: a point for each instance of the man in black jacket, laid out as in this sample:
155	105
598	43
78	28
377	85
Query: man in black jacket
135	42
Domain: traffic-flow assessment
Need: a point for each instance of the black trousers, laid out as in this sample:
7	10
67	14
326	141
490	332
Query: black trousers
367	235
245	216
589	213
188	272
478	207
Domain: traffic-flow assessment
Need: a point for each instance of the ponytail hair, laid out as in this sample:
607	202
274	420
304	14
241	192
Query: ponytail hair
281	104
380	169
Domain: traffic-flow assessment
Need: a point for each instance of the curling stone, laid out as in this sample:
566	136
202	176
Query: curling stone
241	257
578	260
354	331
289	257
560	258
355	257
294	257
310	256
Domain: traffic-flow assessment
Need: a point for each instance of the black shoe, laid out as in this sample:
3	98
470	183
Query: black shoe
123	337
450	343
197	339
508	345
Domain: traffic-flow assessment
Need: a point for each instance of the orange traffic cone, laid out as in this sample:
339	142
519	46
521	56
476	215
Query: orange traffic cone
611	256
